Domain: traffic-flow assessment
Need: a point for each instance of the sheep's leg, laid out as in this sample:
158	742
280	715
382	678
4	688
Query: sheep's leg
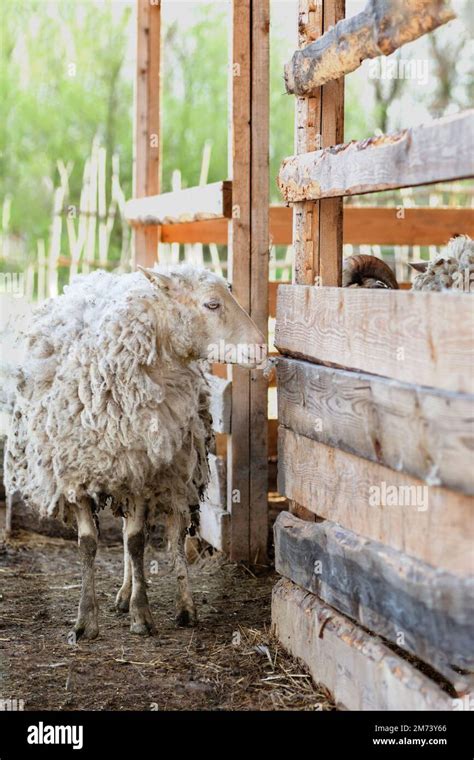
122	600
86	623
141	618
185	608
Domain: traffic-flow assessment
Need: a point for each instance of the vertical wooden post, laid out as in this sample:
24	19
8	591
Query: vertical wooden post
147	144
259	267
332	133
248	271
319	122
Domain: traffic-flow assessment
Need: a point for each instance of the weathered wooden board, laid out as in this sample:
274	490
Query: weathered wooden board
382	27
361	672
434	152
423	338
193	203
384	590
221	403
427	433
214	526
429	523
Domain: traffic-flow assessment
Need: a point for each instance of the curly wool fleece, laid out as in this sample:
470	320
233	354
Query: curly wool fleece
111	404
452	268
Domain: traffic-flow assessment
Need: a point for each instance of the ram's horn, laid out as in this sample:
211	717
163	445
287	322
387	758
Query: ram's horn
362	267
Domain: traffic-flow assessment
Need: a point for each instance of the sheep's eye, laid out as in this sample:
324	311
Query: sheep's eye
212	305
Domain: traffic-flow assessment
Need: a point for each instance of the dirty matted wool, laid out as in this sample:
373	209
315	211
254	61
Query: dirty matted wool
111	402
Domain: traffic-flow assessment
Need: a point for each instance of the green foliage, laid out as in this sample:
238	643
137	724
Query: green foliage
61	76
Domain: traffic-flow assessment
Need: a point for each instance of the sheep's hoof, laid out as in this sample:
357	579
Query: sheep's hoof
142	628
142	622
122	602
186	618
86	629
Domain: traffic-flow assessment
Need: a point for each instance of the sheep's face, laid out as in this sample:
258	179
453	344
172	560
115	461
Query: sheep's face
220	329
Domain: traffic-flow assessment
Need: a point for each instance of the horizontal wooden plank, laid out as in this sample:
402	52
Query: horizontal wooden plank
434	152
384	590
372	225
214	526
382	27
429	523
417	337
362	225
360	671
221	403
193	203
410	428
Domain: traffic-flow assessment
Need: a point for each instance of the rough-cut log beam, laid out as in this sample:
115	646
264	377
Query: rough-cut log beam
410	428
441	150
194	203
424	338
384	590
359	670
429	523
382	27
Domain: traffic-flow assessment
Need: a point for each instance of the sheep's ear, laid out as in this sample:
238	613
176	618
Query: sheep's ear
419	266
157	279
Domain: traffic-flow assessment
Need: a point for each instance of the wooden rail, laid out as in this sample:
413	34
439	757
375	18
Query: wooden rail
430	523
410	428
380	29
361	672
384	590
435	152
362	225
192	204
419	337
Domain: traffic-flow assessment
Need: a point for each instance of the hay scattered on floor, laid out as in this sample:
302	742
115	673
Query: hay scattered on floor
231	661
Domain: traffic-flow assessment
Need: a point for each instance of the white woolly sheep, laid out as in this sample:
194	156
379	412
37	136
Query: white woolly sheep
112	409
452	269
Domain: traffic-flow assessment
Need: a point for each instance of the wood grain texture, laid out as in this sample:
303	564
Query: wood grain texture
332	133
238	447
383	590
193	203
147	128
426	433
308	125
432	524
416	337
259	256
382	27
359	670
435	152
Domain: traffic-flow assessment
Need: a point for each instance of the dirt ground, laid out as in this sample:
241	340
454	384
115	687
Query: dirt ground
229	661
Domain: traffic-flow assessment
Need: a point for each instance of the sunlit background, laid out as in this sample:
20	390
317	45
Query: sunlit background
67	123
